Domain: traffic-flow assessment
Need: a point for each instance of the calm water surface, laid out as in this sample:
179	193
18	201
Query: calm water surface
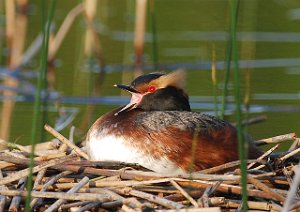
187	33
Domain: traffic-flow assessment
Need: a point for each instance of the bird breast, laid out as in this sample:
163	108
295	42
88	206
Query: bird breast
103	147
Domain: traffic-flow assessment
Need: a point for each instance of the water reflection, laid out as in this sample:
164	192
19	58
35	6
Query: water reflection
269	42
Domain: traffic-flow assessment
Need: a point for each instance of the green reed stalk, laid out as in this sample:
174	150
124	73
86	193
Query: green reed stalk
227	74
154	34
36	125
214	79
234	5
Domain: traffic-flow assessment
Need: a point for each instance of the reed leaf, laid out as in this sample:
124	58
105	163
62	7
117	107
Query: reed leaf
36	125
234	6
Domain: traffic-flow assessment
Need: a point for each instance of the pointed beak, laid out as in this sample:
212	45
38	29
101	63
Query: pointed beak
136	98
126	88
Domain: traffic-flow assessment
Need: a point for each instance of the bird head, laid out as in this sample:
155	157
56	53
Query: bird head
157	91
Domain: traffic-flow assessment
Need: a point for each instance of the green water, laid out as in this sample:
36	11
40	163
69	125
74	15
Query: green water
187	31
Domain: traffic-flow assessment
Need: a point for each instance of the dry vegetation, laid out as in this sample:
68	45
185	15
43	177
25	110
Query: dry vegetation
65	180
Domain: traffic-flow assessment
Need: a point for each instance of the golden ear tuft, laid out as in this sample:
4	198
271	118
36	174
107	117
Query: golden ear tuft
176	79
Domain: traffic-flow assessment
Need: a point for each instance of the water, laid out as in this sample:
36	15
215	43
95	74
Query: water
269	44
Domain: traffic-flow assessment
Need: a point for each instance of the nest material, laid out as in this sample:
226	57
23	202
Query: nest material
64	180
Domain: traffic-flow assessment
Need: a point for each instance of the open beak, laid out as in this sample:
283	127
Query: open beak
136	98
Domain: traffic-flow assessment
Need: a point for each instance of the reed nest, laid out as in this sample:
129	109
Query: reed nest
64	180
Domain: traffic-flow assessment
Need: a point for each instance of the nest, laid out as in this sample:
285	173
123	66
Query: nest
64	180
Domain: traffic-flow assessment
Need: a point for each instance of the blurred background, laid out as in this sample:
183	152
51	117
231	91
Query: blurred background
96	44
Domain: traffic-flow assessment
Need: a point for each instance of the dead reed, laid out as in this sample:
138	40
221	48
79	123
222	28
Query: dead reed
65	180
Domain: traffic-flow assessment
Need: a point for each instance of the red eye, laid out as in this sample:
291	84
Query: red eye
151	89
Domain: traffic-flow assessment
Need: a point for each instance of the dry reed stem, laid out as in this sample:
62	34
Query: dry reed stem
263	156
254	120
49	145
2	203
176	197
73	204
259	167
16	35
18	155
148	189
184	193
66	141
60	195
44	187
2	198
64	28
252	205
128	183
111	204
139	34
43	149
165	189
293	190
152	198
33	49
64	147
10	14
211	209
222	167
50	156
204	199
53	179
89	206
132	204
128	174
39	178
277	139
37	182
90	7
295	144
4	164
288	176
291	154
131	183
15	202
224	188
266	189
294	206
25	172
73	190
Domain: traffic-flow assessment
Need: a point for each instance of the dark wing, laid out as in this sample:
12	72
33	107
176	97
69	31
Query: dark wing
190	138
183	120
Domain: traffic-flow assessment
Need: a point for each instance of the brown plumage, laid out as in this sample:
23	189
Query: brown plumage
158	130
